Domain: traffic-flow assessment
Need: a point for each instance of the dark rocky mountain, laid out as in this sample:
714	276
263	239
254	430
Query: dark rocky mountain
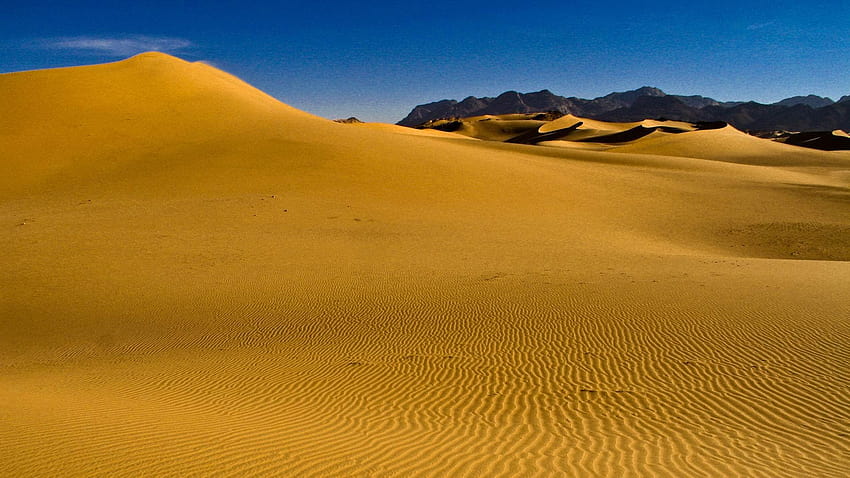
696	101
513	102
800	113
627	98
438	109
800	117
812	100
541	101
667	107
350	120
834	117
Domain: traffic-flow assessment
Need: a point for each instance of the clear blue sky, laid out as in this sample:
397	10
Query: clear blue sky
376	60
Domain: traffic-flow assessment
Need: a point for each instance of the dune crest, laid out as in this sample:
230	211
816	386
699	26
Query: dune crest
53	120
732	145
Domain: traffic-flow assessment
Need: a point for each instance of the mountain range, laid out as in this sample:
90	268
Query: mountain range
799	113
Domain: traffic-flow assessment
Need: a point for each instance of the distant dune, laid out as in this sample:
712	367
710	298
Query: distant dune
201	280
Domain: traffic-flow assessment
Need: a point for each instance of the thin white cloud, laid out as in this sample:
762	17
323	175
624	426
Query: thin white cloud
759	26
115	46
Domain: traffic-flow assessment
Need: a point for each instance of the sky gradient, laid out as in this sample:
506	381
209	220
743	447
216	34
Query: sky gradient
376	60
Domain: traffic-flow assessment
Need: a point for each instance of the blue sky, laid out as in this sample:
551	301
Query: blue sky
376	60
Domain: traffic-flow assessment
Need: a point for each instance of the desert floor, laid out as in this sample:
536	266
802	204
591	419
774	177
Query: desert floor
200	280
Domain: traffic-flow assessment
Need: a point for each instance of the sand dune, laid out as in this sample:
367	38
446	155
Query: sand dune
392	128
199	279
587	123
729	144
534	129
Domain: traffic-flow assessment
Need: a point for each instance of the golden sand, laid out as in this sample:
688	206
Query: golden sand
200	280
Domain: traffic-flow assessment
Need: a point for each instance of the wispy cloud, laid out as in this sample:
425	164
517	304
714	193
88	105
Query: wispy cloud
759	26
114	45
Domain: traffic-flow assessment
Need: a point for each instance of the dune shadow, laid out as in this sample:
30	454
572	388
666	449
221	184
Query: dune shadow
633	134
449	127
534	136
705	125
822	140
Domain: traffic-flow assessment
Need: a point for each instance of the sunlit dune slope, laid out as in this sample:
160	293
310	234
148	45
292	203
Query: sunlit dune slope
569	120
95	117
729	144
489	127
200	280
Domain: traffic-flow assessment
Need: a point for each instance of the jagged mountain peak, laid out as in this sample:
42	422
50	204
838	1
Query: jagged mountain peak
512	101
813	101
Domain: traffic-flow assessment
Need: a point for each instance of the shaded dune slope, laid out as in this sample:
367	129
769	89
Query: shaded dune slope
199	279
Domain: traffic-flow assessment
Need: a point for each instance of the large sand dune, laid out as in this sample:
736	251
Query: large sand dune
200	280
